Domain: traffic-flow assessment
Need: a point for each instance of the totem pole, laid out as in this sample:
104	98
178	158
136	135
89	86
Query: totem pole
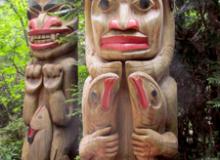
129	101
52	128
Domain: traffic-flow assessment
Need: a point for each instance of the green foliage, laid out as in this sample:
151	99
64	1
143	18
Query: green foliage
214	81
198	41
14	54
11	138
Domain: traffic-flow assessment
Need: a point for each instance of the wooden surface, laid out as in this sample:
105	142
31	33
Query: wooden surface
141	123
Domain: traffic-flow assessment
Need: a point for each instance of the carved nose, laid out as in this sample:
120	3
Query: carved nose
46	23
131	24
52	22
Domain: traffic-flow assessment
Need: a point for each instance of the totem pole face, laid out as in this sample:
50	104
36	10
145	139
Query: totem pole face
126	29
50	22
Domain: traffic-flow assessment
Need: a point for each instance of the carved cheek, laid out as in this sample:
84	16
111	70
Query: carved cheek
99	27
150	23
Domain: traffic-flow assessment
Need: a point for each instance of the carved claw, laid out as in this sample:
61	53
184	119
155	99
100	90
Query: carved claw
33	78
147	143
101	145
53	76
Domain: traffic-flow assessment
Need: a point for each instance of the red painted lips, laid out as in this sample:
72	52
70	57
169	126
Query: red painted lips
45	38
124	43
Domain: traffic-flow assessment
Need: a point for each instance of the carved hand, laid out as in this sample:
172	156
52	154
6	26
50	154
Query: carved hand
53	76
140	66
147	143
100	145
33	78
97	67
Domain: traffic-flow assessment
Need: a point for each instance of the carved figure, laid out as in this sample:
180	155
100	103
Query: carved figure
129	99
53	130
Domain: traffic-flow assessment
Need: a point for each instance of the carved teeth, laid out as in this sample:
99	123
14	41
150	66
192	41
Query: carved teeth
57	35
53	37
44	38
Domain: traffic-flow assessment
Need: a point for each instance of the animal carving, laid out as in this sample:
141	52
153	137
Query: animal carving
39	136
133	40
48	79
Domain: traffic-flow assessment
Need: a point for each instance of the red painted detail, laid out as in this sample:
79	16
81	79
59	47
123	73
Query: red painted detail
32	24
31	134
52	22
48	31
47	45
133	24
140	92
44	45
47	23
124	43
114	24
106	96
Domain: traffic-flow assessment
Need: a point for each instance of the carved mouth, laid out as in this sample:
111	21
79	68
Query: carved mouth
124	43
46	38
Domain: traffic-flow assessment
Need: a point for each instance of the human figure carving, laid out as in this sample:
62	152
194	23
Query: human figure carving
133	39
48	80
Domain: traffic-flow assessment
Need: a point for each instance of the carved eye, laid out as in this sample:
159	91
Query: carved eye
155	99
64	10
94	98
32	13
154	93
104	4
144	5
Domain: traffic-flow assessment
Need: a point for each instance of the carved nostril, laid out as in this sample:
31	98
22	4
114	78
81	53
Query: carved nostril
133	24
114	24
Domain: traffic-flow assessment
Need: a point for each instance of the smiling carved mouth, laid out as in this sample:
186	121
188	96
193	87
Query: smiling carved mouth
124	43
46	38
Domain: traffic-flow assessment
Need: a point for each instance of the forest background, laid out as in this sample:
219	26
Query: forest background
196	68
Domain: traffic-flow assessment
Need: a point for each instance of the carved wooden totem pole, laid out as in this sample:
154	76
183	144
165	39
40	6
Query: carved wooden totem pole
52	133
129	99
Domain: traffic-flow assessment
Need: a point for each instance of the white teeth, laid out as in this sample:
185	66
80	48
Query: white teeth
31	39
44	38
53	37
57	35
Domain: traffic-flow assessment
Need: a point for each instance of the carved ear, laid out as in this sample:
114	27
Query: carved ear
88	26
169	26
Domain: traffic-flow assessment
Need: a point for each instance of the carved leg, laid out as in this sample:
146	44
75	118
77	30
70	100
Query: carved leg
33	82
149	115
99	117
65	125
25	150
169	88
64	138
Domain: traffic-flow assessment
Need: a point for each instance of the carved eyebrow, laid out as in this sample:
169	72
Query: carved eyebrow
36	7
50	6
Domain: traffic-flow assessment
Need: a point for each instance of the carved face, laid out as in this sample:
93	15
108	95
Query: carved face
126	29
50	25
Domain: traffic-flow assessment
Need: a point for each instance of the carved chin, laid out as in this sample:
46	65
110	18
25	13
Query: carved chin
54	51
128	55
